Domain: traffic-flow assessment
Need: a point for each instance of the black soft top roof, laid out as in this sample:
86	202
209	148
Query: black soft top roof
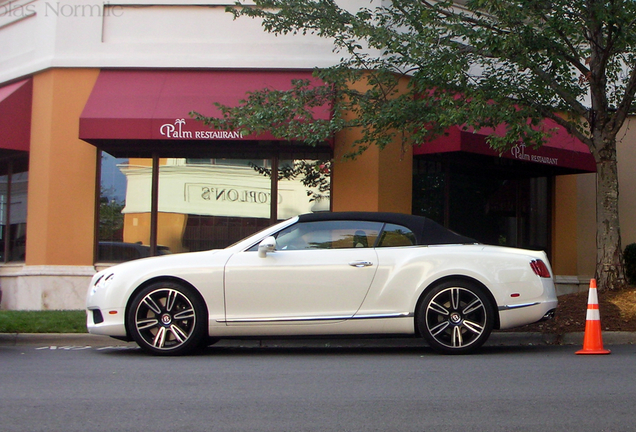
426	231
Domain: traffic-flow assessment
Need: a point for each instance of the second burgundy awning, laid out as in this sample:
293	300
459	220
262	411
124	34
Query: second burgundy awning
561	151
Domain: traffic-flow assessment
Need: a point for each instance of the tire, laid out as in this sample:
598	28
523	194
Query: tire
455	317
166	318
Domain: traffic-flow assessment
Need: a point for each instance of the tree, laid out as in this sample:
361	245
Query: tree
111	219
474	63
313	174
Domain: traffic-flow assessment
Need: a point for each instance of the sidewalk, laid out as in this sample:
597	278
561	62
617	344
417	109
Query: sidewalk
496	339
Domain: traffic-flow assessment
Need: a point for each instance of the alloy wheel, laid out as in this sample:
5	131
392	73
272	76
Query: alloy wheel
456	319
165	319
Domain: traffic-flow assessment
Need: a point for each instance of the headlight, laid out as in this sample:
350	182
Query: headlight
103	281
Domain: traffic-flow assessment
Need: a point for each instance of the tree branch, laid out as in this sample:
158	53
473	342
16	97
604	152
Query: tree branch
626	104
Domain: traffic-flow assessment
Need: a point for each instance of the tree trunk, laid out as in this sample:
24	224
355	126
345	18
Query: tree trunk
610	273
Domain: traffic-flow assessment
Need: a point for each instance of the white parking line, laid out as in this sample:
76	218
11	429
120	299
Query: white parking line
84	347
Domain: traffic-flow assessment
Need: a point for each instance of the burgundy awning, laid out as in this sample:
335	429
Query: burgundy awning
15	115
155	104
561	151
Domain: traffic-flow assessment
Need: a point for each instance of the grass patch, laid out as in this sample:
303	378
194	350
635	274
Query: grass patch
48	321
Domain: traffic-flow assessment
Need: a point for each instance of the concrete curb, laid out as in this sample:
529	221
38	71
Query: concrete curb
59	339
496	339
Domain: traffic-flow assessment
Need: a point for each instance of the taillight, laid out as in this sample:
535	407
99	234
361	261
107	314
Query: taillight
540	268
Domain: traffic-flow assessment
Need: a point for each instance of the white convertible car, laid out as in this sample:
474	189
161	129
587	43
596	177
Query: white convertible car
333	274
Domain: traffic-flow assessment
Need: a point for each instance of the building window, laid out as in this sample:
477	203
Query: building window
202	203
14	184
492	203
124	230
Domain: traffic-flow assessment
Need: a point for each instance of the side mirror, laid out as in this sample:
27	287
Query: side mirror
268	244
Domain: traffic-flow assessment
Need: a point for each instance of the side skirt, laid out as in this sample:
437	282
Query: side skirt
317	318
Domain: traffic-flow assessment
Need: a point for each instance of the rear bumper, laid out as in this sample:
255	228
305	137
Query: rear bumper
526	314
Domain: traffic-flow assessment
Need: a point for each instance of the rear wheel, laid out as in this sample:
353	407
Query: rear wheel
455	317
166	318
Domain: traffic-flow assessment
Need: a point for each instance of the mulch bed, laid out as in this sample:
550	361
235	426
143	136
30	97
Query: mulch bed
617	308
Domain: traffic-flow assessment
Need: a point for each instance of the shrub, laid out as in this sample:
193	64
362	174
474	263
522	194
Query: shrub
629	256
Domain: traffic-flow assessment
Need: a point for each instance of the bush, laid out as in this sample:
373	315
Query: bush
629	256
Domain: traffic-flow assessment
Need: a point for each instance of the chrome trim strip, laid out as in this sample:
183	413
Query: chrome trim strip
517	306
306	319
380	316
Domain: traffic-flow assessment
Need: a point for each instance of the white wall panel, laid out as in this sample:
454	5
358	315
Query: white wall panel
26	44
205	36
39	34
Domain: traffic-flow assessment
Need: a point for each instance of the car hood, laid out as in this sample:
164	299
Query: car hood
157	263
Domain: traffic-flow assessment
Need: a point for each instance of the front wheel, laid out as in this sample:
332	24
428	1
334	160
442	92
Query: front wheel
455	317
167	319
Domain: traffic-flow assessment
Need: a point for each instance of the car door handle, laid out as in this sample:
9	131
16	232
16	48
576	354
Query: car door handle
360	263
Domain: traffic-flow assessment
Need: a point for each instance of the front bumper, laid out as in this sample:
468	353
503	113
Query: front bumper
108	323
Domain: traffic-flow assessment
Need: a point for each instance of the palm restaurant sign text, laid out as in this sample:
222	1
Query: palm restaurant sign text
178	130
520	152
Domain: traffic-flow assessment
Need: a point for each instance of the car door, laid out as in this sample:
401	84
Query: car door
320	272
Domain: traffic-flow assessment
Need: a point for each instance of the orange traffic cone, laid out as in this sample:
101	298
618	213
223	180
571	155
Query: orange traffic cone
593	341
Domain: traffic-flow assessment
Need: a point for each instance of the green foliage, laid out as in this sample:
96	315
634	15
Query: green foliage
629	256
289	114
486	63
111	220
313	174
49	321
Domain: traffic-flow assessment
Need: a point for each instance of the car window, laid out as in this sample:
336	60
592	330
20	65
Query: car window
328	235
396	235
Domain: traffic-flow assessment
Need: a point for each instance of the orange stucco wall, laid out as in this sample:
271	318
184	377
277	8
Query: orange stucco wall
377	180
61	207
396	178
586	222
355	183
564	226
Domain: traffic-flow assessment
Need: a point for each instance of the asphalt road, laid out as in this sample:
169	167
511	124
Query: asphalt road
287	388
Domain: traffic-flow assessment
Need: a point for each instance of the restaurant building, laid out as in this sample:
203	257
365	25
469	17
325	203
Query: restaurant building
101	161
